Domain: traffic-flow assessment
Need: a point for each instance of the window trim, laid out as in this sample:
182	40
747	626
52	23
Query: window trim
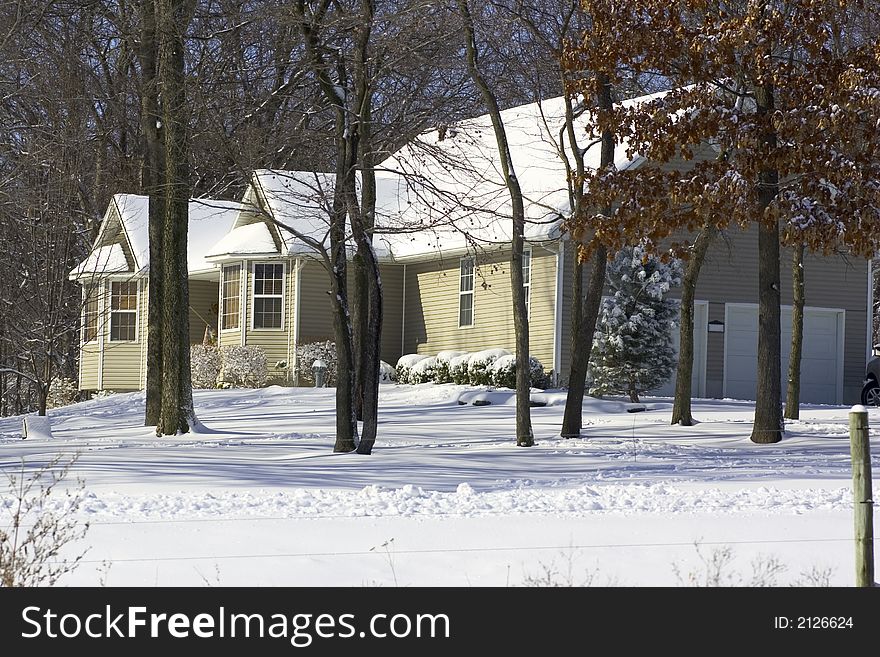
471	292
252	296
136	311
528	250
241	279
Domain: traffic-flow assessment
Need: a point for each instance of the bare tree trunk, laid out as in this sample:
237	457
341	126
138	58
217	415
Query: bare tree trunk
768	425
793	394
177	414
524	435
681	407
360	312
363	221
584	320
152	182
582	334
346	421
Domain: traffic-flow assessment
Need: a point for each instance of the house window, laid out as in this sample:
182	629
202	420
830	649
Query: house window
466	293
90	313
527	277
231	310
268	295
123	311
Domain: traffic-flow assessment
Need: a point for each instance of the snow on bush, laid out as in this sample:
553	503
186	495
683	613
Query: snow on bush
633	349
61	393
387	374
479	364
443	369
308	353
244	367
423	371
206	364
458	369
405	364
502	373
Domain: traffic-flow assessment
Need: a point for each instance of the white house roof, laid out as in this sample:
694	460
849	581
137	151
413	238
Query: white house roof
250	239
300	200
449	194
208	219
103	260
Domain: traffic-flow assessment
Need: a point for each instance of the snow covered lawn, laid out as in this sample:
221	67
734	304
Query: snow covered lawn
446	498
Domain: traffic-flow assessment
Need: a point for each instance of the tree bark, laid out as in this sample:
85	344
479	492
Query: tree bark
363	220
681	407
768	424
524	435
793	393
177	414
152	183
582	333
585	314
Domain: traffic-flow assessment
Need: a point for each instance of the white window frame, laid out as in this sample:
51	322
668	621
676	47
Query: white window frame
253	295
471	292
136	311
527	285
240	266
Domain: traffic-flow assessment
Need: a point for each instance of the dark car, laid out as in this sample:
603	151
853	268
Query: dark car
871	391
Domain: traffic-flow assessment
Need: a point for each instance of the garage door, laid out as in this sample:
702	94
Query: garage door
821	372
698	376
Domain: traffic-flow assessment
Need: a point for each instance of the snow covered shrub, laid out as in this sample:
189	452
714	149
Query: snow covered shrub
206	364
479	364
61	393
443	369
244	367
423	371
502	373
405	364
458	369
387	374
632	349
308	353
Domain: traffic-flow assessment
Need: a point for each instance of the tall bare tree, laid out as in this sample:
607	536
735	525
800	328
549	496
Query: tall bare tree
524	434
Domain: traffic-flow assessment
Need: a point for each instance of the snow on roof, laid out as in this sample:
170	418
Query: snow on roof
299	200
250	239
443	194
103	260
208	218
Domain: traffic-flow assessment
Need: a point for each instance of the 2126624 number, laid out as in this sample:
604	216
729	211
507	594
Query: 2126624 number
824	622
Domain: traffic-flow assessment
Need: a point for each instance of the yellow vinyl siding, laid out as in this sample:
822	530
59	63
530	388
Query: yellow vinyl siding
88	373
432	291
315	307
230	338
392	311
203	304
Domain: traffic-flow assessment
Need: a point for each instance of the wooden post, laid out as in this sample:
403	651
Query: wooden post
862	497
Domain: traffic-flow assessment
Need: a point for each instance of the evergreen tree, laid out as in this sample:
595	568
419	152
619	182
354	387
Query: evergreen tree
633	349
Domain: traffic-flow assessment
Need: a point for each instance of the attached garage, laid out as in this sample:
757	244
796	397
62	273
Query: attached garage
821	361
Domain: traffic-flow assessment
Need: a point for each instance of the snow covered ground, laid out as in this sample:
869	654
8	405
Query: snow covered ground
446	498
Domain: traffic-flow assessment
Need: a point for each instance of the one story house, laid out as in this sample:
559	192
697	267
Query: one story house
443	241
